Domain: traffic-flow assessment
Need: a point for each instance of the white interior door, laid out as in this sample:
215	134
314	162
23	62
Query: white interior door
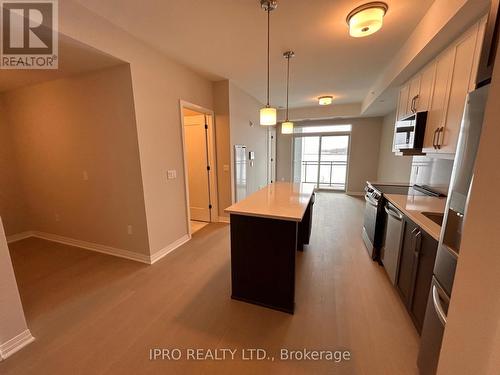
197	162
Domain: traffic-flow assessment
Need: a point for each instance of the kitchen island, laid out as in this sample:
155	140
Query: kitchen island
267	228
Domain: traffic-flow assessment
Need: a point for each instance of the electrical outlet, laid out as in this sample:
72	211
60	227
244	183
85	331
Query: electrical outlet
57	217
225	168
171	174
129	229
85	176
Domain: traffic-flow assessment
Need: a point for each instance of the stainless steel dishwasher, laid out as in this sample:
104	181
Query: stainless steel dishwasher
392	241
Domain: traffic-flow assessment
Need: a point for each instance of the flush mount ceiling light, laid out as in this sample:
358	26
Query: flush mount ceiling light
366	19
268	113
287	126
325	100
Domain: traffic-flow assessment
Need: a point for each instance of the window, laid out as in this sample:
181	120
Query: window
321	160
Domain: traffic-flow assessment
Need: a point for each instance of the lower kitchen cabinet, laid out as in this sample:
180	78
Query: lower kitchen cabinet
418	254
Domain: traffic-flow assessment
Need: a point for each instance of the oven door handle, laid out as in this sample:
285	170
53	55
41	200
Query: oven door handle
370	201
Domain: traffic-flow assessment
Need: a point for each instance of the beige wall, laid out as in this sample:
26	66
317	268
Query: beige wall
284	157
471	343
364	152
363	157
12	322
158	84
68	128
12	203
391	168
246	130
222	138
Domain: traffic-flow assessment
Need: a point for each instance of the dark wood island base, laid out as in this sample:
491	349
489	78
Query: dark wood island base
263	251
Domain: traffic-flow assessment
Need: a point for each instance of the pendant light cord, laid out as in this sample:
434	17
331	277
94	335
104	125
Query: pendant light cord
268	51
287	83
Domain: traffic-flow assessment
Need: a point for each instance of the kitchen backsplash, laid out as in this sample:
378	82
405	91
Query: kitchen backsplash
432	172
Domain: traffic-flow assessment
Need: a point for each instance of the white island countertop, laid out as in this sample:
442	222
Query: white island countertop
280	200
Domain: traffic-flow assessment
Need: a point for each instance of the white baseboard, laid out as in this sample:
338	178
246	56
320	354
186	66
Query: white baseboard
143	258
224	219
19	236
15	344
355	193
168	249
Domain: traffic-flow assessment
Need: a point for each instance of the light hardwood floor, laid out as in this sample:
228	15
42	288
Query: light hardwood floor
96	314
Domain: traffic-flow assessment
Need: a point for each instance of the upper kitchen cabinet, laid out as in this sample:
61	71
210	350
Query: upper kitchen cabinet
403	107
460	84
423	100
410	96
440	92
441	88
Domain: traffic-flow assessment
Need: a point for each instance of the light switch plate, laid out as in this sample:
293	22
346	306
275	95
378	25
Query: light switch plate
171	174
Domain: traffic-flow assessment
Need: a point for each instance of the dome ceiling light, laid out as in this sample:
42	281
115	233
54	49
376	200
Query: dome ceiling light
366	19
325	100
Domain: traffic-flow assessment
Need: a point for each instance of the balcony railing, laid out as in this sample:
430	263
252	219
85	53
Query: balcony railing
332	174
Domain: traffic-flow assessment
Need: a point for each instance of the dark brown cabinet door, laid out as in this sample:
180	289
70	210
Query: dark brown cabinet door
418	254
407	262
423	278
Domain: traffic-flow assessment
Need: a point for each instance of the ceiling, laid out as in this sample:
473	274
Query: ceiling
226	39
74	58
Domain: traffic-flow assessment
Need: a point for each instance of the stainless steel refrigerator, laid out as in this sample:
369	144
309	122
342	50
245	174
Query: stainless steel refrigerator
240	172
451	234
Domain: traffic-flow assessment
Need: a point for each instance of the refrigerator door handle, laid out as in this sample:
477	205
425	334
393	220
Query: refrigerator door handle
437	305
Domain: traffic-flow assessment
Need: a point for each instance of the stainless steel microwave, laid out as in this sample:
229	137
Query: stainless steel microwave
410	132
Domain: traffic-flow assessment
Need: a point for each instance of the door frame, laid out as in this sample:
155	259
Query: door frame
320	135
212	162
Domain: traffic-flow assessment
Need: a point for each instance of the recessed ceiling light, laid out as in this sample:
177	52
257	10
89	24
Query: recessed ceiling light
366	19
325	100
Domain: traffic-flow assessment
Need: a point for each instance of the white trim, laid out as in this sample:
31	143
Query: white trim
20	236
168	249
224	219
355	193
15	344
127	254
214	192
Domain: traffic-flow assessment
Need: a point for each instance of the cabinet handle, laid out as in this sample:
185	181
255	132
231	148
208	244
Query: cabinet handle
416	255
434	144
439	142
414	104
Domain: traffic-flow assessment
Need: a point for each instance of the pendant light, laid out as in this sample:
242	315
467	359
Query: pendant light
268	113
287	126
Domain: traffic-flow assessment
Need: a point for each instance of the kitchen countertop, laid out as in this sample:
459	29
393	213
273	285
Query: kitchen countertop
280	200
413	206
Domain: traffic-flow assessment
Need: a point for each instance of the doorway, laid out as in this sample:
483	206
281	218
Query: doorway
321	160
199	166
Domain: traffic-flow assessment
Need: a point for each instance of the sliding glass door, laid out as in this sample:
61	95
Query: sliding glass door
321	160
